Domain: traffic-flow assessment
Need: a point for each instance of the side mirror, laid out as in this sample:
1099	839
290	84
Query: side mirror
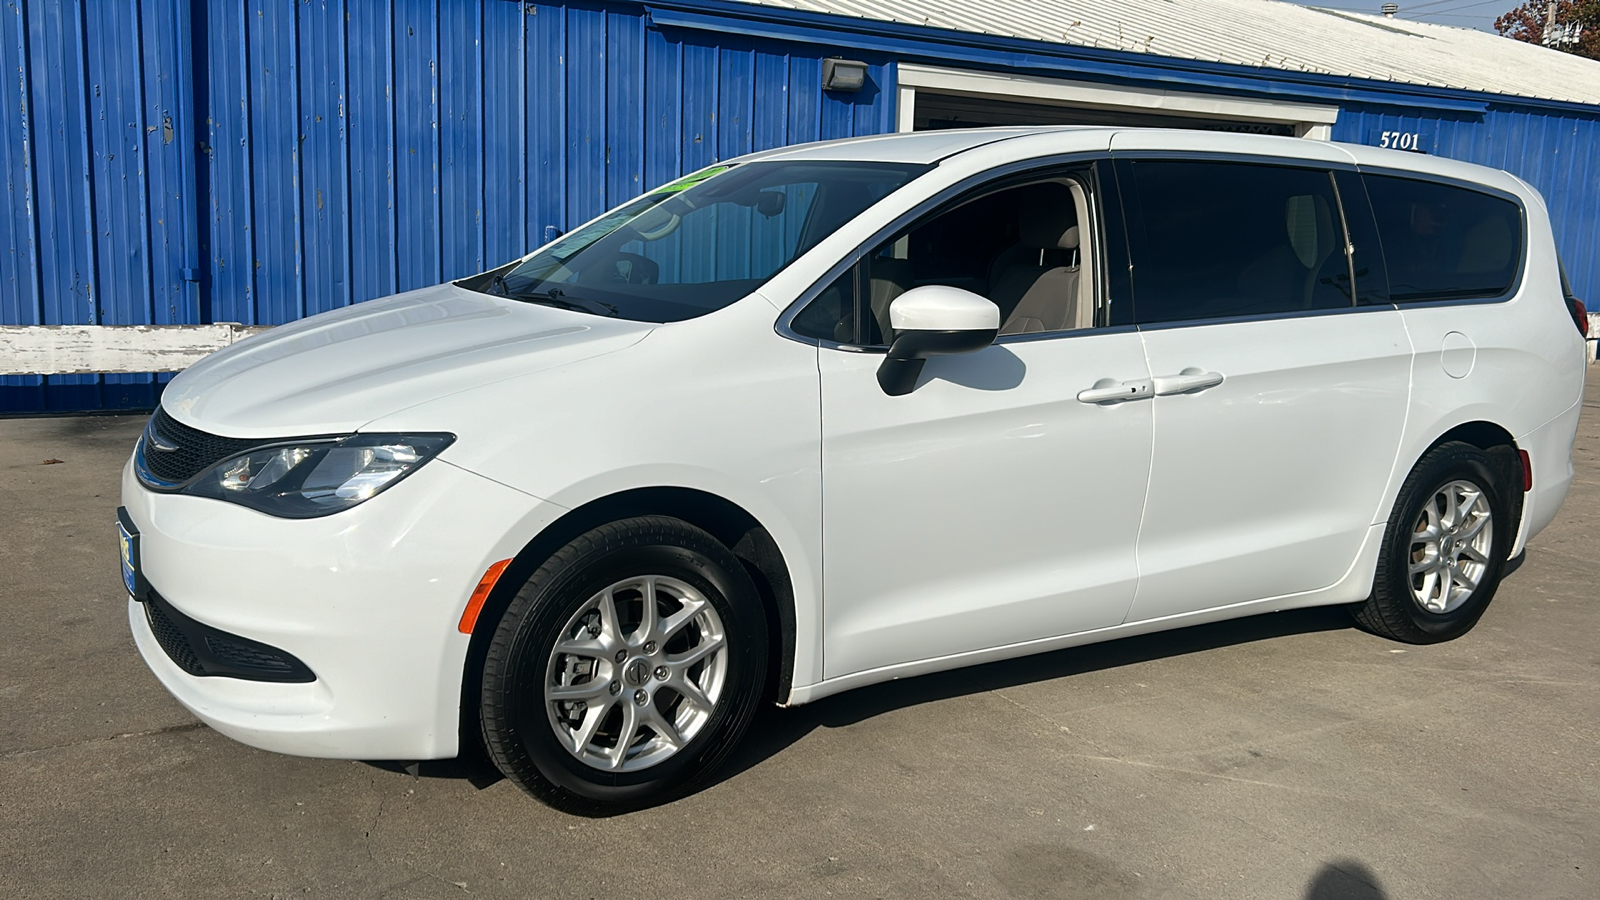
934	320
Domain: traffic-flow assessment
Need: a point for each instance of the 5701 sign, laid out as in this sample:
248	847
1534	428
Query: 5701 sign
1399	140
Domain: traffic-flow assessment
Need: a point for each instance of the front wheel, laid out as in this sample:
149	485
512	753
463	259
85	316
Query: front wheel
1444	548
626	668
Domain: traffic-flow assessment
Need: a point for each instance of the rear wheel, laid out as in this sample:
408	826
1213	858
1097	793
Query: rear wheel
1444	548
626	668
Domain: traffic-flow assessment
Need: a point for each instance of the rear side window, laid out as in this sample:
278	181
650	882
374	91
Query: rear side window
1443	242
1221	239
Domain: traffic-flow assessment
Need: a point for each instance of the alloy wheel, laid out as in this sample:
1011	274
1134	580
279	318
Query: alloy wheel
636	673
1451	543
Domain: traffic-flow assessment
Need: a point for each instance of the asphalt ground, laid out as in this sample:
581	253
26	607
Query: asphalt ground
1281	756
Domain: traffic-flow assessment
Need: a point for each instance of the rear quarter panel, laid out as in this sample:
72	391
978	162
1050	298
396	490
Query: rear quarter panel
1527	360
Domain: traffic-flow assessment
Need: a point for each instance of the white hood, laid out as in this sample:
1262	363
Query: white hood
334	372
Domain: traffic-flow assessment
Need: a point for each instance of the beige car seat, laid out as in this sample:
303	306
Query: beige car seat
1035	283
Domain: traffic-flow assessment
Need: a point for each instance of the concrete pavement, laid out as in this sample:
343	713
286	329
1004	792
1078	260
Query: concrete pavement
1283	756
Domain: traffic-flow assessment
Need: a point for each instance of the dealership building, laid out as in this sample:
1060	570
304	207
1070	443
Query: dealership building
193	164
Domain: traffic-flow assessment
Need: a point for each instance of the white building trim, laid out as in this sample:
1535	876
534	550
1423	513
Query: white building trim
1309	120
85	349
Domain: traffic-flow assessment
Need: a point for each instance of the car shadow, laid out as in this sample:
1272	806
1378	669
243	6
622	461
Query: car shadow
995	368
775	729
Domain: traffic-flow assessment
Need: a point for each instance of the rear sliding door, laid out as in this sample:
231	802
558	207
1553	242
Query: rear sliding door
1281	382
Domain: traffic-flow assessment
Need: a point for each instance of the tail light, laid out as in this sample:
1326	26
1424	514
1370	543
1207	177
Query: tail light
1580	315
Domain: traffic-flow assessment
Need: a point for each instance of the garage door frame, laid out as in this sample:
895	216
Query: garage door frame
1308	120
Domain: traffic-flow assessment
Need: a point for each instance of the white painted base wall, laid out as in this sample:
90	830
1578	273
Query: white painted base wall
92	349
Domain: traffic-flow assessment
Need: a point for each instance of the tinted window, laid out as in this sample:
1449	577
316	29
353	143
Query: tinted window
831	316
699	243
1211	240
1443	242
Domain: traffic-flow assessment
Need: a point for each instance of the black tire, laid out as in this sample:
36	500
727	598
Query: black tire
1393	610
519	729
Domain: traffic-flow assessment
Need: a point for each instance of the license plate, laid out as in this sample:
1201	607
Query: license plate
130	558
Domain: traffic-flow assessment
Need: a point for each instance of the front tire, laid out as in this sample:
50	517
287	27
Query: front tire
625	669
1443	550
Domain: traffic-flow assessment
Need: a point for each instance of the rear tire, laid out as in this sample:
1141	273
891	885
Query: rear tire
1443	550
625	669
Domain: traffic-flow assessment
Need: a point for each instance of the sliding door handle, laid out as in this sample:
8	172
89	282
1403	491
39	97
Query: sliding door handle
1189	381
1110	390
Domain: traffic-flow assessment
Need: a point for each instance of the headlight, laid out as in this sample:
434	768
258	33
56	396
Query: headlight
316	478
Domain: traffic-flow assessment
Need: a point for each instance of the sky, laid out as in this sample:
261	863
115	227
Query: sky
1479	14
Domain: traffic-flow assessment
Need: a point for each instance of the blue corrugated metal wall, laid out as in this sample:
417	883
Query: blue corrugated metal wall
1557	154
97	156
170	161
349	150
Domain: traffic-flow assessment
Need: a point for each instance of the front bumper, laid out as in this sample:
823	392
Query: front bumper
368	599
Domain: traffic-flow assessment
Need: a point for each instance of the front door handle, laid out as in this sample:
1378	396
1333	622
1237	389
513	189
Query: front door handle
1189	381
1110	390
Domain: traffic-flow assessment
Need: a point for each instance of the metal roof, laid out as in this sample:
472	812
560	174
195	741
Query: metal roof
1262	33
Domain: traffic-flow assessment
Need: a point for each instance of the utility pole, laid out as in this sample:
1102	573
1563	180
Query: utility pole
1550	25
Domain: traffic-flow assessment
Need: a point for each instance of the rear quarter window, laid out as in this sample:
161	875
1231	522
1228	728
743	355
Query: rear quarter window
1443	242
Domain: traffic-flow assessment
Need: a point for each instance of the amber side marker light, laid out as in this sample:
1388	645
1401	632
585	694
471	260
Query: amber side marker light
469	616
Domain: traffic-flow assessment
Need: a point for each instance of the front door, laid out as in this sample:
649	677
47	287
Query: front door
990	506
987	507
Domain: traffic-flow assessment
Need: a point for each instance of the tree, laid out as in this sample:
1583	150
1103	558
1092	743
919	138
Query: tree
1526	23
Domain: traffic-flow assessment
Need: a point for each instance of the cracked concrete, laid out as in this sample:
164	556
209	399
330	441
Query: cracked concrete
1279	756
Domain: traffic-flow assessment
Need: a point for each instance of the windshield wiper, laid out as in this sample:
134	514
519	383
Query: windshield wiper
553	297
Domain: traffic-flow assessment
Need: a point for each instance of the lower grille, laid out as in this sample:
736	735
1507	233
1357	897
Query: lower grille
202	651
244	656
173	641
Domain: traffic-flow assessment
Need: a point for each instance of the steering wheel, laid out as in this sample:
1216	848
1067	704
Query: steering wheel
620	268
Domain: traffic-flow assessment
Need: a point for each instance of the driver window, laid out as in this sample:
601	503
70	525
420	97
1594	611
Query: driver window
1021	247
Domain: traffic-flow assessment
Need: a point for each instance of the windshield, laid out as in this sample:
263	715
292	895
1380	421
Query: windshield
699	243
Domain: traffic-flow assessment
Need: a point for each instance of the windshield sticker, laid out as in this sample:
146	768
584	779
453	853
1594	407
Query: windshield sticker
689	181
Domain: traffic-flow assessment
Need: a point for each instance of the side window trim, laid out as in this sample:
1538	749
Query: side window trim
1349	239
849	264
1356	207
950	196
1117	268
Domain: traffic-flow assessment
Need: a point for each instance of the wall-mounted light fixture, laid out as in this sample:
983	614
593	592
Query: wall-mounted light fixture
843	74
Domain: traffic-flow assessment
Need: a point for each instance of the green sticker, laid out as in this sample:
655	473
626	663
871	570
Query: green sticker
689	181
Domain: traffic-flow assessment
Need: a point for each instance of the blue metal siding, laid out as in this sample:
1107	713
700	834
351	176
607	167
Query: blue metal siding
294	156
19	268
228	151
345	150
1553	152
99	225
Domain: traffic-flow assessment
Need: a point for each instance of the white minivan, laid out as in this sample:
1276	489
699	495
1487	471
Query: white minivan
840	413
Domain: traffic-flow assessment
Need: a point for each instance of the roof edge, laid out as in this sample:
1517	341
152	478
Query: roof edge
1092	63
